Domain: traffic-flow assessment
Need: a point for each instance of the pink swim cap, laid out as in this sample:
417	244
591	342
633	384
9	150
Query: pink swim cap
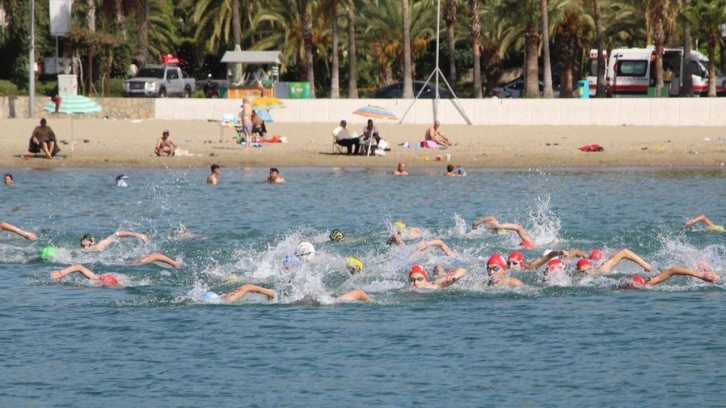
497	259
555	264
638	280
596	255
416	268
108	280
516	256
583	263
527	244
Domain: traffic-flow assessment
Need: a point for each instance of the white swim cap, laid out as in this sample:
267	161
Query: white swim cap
211	297
305	251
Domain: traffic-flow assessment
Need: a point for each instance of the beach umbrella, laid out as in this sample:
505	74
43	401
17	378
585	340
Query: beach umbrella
264	115
268	103
74	105
377	112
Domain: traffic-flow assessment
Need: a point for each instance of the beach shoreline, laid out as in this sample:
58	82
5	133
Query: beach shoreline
108	143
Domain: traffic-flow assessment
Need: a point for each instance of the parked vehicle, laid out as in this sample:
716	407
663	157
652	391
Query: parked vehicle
160	81
211	88
592	70
396	91
515	89
631	71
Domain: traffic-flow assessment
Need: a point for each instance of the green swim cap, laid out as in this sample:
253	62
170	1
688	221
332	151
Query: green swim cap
337	235
47	253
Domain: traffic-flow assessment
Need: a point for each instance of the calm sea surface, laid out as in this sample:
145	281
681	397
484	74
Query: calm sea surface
156	342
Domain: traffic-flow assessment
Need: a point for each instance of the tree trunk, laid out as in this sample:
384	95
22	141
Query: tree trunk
142	22
352	62
659	37
712	42
407	80
547	67
601	62
450	17
236	23
530	63
476	46
686	72
334	66
307	27
91	16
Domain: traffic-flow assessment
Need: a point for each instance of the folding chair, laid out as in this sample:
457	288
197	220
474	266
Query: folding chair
337	147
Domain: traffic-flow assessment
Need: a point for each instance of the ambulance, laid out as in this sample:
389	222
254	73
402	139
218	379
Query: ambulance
631	71
592	69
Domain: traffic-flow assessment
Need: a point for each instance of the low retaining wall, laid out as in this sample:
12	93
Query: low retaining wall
116	108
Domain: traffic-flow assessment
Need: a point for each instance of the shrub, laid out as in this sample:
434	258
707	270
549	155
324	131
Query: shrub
7	88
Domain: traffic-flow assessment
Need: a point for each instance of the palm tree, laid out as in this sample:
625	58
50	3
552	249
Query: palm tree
476	45
686	74
307	34
706	17
407	80
450	18
572	35
601	84
352	60
335	64
520	17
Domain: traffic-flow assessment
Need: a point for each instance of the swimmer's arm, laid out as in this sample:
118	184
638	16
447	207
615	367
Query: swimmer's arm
355	295
12	228
157	257
436	242
450	278
58	275
523	235
395	239
481	221
130	234
514	282
676	270
700	218
536	263
575	253
240	292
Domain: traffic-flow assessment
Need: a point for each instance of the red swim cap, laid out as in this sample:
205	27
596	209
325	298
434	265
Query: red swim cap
555	263
703	266
638	280
583	263
416	268
516	256
527	244
108	280
497	259
596	255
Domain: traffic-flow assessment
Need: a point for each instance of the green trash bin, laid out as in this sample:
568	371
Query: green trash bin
222	92
299	90
583	89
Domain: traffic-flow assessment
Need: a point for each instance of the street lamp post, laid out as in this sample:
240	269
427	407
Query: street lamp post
31	62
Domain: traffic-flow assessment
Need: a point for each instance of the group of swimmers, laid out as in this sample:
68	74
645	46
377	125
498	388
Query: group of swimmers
497	267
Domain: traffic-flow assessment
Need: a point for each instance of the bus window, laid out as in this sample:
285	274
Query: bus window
632	68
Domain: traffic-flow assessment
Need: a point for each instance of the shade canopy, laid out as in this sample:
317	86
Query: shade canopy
377	112
252	57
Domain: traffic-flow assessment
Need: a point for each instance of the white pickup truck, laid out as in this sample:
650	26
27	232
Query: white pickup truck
160	81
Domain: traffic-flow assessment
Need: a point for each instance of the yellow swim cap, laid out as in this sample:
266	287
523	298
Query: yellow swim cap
354	265
400	226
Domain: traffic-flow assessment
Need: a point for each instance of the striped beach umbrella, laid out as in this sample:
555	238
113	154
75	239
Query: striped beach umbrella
377	112
268	103
74	105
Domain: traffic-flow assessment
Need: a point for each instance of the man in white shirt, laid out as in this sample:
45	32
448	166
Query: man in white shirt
343	138
370	137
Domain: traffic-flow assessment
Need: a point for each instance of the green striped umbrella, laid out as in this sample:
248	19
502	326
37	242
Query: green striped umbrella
74	105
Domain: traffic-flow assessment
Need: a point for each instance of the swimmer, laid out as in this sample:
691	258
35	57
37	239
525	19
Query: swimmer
495	226
4	226
422	246
157	257
180	232
240	292
336	235
109	279
88	241
638	281
585	265
418	278
400	170
8	179
408	231
121	181
274	177
216	171
354	265
710	226
453	171
497	272
515	260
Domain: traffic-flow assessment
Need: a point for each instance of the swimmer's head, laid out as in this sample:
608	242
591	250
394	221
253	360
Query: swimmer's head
87	240
417	274
400	226
461	170
354	265
595	255
305	251
583	265
555	265
47	253
121	180
337	235
179	230
290	262
515	260
108	280
638	280
496	263
211	297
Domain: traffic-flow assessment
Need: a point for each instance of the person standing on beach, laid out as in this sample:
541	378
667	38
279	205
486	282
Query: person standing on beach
216	171
43	139
274	177
400	170
8	179
165	146
245	116
434	134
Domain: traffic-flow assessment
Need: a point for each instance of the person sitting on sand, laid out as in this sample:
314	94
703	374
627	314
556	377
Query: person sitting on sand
12	228
216	171
585	265
495	226
344	138
710	226
109	279
88	241
43	140
165	146
400	170
419	279
434	134
274	177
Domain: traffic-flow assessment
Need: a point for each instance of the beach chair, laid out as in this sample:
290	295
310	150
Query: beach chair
336	146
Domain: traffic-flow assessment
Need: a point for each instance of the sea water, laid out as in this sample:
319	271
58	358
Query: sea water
158	342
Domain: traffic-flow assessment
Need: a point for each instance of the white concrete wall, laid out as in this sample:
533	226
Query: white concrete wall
555	112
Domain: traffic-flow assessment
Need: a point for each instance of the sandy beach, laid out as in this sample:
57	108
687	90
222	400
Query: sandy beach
130	143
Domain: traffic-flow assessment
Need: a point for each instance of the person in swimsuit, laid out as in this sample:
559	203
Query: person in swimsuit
434	134
165	146
400	170
495	226
88	241
216	171
515	260
585	265
497	272
109	279
710	226
419	279
274	177
4	226
638	281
